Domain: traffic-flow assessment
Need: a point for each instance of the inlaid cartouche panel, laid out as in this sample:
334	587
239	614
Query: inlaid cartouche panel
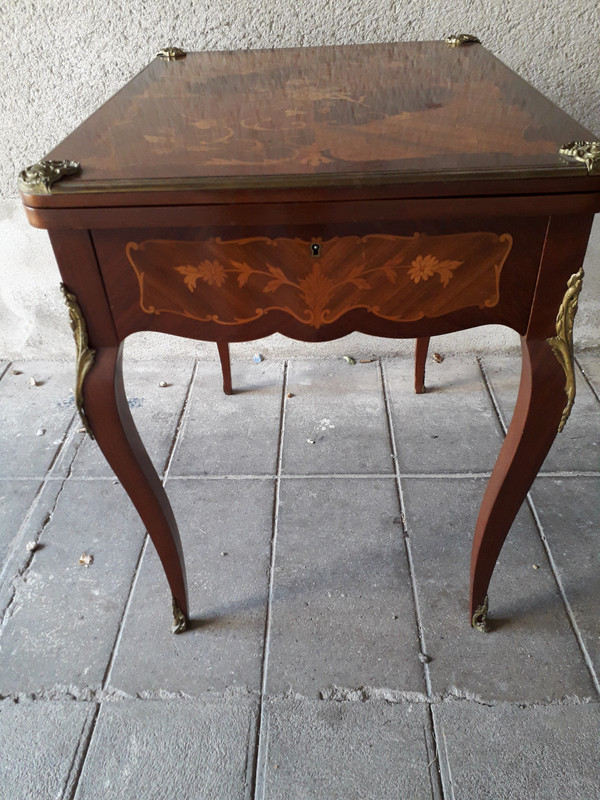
396	278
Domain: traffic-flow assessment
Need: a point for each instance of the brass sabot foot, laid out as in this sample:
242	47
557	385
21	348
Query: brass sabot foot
179	619
479	620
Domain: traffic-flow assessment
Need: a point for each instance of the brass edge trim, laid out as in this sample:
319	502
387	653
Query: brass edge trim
331	180
479	621
587	153
85	356
38	178
179	620
562	343
171	53
461	39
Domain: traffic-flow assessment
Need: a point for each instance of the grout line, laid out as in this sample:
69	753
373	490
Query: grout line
561	589
76	770
434	777
588	380
185	411
262	741
6	368
318	476
492	395
79	756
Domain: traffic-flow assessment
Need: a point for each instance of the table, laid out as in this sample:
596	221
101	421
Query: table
401	189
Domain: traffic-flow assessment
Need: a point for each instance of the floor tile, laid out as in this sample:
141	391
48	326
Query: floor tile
232	435
155	411
348	750
590	364
64	619
226	528
39	742
342	611
35	419
510	752
531	653
452	427
159	750
335	422
569	512
577	447
15	499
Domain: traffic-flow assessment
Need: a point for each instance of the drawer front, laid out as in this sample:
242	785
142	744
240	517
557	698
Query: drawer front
396	278
316	283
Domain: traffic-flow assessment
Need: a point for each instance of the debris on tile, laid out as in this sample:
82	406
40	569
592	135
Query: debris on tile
311	441
289	395
163	384
258	357
41	432
31	546
32	382
349	359
438	358
536	566
16	372
367	360
85	559
224	553
80	430
424	658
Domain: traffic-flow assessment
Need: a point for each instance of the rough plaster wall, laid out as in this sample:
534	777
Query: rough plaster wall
62	58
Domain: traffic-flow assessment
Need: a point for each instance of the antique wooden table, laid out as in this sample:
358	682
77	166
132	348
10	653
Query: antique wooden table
402	190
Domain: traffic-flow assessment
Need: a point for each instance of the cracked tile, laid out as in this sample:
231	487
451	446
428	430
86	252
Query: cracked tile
577	447
346	750
27	410
569	512
236	434
532	654
335	422
342	611
40	742
538	753
171	749
155	411
62	623
226	531
452	427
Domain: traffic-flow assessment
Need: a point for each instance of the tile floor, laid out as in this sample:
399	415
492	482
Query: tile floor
326	513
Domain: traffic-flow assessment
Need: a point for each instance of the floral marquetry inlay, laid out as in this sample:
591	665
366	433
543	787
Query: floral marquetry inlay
398	278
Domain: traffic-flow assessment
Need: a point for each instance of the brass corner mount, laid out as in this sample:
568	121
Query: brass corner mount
39	177
171	53
586	152
461	39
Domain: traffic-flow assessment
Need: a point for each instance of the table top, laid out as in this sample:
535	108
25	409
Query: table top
396	114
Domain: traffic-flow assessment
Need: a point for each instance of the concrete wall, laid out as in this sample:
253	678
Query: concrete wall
62	58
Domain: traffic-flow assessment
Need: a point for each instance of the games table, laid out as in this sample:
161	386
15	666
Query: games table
402	190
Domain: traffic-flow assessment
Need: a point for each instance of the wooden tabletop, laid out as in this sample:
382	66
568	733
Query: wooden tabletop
397	113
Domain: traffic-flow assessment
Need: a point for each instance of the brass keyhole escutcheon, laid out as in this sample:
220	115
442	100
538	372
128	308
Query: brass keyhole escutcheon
315	249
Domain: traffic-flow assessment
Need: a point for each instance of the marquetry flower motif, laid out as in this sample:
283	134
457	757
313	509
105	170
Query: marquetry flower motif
425	267
318	288
212	272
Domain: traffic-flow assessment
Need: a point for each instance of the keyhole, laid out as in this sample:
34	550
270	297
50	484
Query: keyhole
315	249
